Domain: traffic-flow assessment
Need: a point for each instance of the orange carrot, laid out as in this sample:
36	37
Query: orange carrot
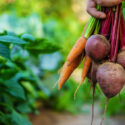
81	42
68	69
86	67
87	64
77	49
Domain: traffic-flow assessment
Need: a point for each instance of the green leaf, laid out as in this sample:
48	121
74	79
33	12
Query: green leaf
4	51
28	37
7	99
29	87
15	89
42	46
19	119
24	108
11	39
3	119
124	12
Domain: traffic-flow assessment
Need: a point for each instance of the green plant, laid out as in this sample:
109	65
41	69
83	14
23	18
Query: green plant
20	84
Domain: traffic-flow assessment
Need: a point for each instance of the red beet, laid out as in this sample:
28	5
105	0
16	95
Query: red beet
121	58
97	47
111	78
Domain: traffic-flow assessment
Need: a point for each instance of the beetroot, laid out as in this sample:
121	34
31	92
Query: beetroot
121	58
97	47
111	78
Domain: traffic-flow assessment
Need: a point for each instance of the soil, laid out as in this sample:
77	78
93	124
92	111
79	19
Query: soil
49	117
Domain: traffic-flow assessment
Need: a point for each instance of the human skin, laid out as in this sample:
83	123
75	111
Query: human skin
91	7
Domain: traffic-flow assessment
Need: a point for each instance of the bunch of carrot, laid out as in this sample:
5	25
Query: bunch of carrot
102	46
76	55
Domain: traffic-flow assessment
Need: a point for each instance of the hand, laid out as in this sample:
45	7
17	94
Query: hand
91	7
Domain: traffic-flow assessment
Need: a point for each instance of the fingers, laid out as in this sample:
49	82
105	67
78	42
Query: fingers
91	9
96	14
108	3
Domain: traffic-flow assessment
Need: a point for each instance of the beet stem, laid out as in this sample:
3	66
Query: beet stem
122	31
105	25
113	33
106	105
93	105
117	39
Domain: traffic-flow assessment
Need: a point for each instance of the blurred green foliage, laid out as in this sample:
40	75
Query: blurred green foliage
57	20
26	60
20	84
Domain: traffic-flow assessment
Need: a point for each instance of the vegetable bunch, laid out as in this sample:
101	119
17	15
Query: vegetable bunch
103	48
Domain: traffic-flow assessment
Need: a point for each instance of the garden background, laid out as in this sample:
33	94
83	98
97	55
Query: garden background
35	38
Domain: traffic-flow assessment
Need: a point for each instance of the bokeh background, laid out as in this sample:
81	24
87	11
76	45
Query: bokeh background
35	99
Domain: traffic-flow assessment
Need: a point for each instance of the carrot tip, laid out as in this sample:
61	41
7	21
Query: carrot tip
77	90
59	87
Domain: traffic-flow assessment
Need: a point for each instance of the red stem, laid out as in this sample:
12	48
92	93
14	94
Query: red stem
122	32
117	38
117	43
106	24
114	33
